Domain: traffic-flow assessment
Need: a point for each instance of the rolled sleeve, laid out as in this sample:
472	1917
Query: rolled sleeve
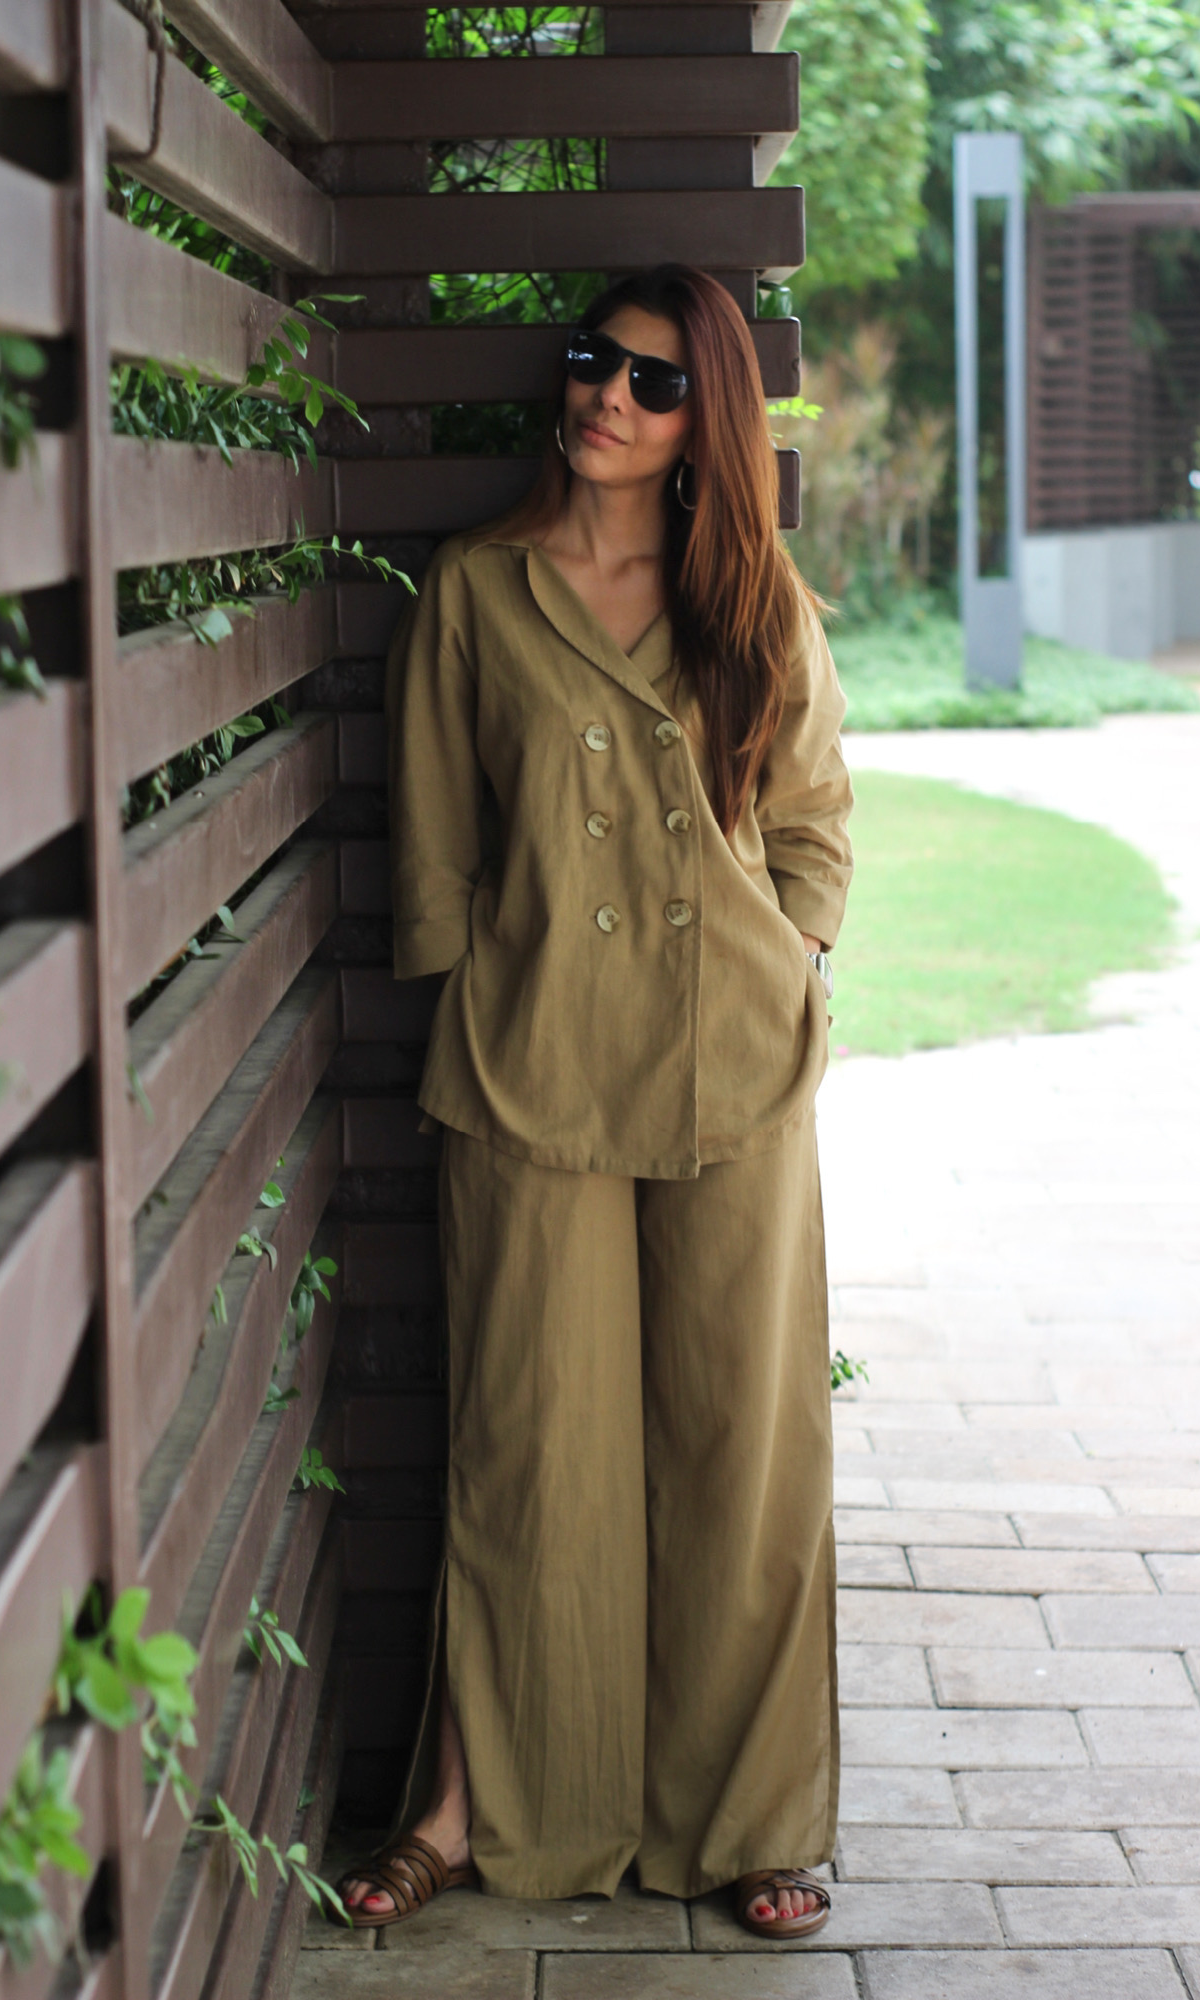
804	795
435	782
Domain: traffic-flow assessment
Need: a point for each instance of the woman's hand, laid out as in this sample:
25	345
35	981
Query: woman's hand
810	943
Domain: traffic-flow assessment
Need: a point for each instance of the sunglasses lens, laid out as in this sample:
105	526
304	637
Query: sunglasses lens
657	386
592	357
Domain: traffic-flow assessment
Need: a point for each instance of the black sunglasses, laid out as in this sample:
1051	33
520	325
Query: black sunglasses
654	383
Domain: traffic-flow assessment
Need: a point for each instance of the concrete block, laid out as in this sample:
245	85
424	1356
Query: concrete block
928	1618
629	1921
1163	1853
1031	1571
981	1677
1168	1739
698	1976
455	1974
883	1677
1175	1573
868	1913
1123	1622
1062	1531
1159	1916
908	1527
967	1854
953	1740
1012	1496
1078	1799
861	1564
1019	1975
859	1492
896	1797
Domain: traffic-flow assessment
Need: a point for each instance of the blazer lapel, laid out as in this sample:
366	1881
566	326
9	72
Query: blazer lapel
573	622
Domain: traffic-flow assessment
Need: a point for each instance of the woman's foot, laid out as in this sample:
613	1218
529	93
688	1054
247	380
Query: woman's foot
783	1903
446	1826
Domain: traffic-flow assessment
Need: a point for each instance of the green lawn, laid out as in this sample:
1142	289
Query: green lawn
912	678
970	916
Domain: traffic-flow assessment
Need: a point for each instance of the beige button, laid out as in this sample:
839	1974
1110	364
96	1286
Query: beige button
678	914
596	736
597	825
678	821
667	731
608	918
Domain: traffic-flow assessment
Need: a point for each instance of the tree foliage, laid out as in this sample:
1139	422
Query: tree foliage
863	137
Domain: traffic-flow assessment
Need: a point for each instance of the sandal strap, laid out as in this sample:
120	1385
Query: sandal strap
412	1874
750	1887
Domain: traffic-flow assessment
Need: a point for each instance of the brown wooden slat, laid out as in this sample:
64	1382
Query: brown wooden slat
209	160
258	45
185	1045
238	1949
368	614
171	690
394	1430
1175	208
38	517
474	364
391	1555
41	766
305	1604
185	1483
288	1923
378	1008
47	1284
362	750
391	1264
188	859
721	229
381	496
180	311
173	501
35	270
182	1246
65	1894
45	1015
384	1132
51	1541
365	878
33	45
602	97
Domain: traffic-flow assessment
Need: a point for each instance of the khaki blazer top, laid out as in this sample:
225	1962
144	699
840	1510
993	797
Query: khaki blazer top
628	990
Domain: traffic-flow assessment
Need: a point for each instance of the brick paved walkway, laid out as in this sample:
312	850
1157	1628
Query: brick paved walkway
1014	1246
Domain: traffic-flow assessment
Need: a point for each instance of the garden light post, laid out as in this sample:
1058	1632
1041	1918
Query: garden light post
988	166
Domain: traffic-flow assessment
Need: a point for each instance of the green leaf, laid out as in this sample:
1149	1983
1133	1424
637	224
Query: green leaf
128	1613
104	1693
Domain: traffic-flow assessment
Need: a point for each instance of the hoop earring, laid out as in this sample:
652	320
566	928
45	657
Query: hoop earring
558	434
689	506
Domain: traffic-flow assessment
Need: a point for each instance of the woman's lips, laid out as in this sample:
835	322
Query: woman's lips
596	434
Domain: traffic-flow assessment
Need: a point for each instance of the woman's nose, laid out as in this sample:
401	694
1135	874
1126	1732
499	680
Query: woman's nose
615	392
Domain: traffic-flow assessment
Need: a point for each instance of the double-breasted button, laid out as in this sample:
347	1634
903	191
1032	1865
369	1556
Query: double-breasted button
598	825
678	821
597	737
607	917
678	914
667	732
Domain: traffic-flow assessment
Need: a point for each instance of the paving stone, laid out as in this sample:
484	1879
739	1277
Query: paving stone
343	1847
1168	1738
1188	1960
1175	1572
957	1740
926	1618
1031	1570
1020	1975
907	1528
968	1854
456	1973
869	1913
629	1922
876	1413
1131	1531
859	1492
896	1797
1162	1916
1163	1853
1010	1495
1164	1499
982	1677
961	1382
1079	1799
697	1976
860	1564
1123	1622
883	1677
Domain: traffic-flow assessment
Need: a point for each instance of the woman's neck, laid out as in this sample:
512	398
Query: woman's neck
610	528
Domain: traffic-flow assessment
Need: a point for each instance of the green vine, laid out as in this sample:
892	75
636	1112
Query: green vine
843	1371
18	668
21	361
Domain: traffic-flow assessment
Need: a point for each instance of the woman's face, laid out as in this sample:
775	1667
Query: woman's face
608	437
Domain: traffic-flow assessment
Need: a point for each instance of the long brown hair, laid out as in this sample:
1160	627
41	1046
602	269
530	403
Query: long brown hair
734	596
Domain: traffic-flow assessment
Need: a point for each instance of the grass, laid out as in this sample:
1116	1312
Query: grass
971	916
898	677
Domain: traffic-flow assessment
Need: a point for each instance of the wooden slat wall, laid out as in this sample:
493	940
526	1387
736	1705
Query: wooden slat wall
132	1147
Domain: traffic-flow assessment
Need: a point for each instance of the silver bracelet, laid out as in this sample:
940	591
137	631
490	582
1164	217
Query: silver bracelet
822	962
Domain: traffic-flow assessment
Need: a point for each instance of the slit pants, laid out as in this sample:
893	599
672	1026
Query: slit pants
637	1605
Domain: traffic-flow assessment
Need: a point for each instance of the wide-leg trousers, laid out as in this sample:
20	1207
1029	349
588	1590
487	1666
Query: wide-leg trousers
637	1607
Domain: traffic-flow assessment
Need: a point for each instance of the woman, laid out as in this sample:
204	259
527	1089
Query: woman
619	816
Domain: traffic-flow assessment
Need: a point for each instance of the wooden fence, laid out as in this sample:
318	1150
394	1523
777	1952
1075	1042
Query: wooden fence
134	1447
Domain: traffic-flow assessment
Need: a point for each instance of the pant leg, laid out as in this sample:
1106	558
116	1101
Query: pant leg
741	1715
546	1528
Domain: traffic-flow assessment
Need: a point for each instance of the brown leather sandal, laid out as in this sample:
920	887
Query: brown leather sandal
425	1876
749	1888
